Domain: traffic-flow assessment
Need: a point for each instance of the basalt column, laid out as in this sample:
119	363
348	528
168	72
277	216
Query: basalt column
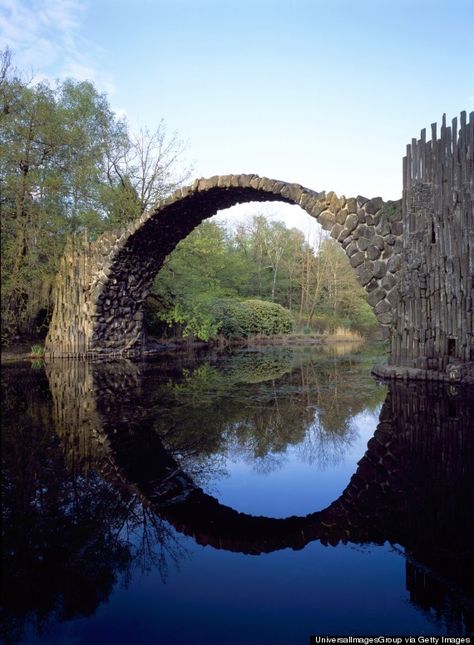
432	334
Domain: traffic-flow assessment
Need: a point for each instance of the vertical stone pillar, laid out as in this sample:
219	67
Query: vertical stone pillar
433	325
70	329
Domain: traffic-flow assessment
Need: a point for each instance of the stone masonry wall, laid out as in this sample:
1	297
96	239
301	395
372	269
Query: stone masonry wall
434	324
102	286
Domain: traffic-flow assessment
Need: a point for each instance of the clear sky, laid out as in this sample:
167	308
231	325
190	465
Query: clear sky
323	93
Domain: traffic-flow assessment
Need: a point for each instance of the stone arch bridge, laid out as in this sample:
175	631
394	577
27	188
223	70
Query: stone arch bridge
121	265
414	257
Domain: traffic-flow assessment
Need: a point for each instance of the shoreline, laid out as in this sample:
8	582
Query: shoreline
19	352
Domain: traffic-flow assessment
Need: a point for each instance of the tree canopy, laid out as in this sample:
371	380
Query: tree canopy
67	163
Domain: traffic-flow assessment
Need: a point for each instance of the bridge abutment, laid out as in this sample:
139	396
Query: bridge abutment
433	327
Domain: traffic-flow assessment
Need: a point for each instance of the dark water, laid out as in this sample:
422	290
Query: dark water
258	497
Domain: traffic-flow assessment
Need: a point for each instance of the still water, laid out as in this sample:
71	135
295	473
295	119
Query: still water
258	496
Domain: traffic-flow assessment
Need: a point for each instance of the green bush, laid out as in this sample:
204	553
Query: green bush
251	317
229	314
227	317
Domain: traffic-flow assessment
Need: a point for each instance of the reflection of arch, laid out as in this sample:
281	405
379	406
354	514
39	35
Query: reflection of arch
111	278
423	444
377	505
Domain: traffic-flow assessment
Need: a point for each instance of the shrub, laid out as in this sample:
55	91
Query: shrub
37	351
251	317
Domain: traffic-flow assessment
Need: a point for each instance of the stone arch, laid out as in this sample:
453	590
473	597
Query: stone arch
112	276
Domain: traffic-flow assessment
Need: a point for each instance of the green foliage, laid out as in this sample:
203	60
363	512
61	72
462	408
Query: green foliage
205	319
194	317
37	351
66	164
297	395
217	282
261	317
252	317
392	212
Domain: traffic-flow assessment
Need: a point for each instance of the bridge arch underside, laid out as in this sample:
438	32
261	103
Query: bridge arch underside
127	263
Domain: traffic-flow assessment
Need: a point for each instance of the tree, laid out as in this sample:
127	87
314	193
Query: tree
51	151
142	169
67	163
213	270
340	296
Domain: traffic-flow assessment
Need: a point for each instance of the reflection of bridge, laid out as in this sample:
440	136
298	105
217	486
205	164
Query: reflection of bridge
412	257
414	486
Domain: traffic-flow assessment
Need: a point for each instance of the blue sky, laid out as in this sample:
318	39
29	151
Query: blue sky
323	93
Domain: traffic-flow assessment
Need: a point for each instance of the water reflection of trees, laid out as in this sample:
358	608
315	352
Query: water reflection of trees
68	533
70	530
72	527
256	405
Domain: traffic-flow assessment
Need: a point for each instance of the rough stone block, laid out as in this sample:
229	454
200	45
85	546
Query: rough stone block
342	215
380	269
351	205
351	222
291	191
396	228
343	235
393	297
365	274
327	220
367	231
336	230
333	202
373	253
374	205
305	199
351	249
363	243
383	227
382	307
385	318
244	180
395	263
317	209
357	259
378	241
372	285
346	242
375	296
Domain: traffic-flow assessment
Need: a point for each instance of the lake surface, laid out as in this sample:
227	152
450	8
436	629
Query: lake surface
258	496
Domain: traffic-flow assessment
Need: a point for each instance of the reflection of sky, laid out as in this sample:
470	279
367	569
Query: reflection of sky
211	596
293	486
280	598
